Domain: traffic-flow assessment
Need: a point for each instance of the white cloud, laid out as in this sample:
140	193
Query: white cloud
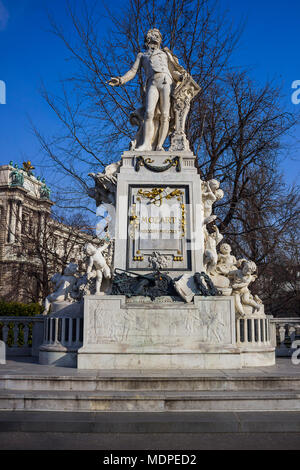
4	16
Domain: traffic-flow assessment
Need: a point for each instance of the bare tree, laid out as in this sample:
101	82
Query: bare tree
42	246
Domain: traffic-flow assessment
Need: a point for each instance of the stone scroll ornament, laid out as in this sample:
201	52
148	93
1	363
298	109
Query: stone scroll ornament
141	161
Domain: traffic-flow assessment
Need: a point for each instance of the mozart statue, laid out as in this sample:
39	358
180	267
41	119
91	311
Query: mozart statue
168	91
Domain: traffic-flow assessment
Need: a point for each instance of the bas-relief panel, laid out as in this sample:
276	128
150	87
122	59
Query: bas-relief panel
141	327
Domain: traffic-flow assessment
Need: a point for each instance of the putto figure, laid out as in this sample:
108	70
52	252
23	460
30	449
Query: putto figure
163	73
97	261
241	278
64	284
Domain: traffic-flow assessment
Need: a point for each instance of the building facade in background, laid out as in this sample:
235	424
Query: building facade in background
33	245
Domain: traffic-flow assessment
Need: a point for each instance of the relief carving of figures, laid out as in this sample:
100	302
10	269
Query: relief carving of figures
240	279
161	100
63	285
157	261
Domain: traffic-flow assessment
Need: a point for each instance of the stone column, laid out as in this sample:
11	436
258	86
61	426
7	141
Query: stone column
20	212
12	221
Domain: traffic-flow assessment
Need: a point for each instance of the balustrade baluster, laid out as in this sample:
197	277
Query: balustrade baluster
15	334
25	333
5	331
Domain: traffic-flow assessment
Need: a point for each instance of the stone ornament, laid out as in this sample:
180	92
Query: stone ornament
157	261
168	92
146	162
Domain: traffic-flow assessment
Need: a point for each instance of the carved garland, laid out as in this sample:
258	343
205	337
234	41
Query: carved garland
141	161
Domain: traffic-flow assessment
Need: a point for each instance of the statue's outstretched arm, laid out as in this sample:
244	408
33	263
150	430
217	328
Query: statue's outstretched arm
115	81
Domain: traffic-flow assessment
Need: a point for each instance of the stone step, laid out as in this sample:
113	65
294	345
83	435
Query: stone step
143	422
159	401
134	382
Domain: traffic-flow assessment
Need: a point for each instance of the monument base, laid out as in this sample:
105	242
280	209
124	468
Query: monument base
137	334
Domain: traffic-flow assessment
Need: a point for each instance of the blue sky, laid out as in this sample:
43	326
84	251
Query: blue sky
29	53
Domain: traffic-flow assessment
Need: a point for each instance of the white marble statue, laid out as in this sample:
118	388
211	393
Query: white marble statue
97	262
240	279
64	284
226	261
211	193
163	74
105	185
211	241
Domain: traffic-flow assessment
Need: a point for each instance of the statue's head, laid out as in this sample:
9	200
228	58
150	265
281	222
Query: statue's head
70	269
248	267
214	184
153	38
90	249
225	249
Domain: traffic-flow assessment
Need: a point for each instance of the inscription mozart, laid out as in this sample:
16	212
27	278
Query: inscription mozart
158	222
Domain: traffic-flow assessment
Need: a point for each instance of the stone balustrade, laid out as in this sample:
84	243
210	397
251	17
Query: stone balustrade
254	331
66	331
63	335
22	335
287	332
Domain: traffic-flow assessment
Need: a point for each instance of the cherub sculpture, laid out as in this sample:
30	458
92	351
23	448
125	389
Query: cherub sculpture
211	193
211	240
241	278
226	261
64	284
97	261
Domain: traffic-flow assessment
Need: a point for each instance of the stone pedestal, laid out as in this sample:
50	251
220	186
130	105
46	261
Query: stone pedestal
159	209
122	333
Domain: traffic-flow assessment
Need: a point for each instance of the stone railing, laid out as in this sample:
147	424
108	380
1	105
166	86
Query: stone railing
255	331
66	331
287	331
63	335
22	335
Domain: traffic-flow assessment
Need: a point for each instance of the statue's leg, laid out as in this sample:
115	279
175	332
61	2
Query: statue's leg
164	104
152	96
99	277
238	304
247	300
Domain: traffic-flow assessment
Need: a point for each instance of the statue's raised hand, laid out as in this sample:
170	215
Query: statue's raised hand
114	81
